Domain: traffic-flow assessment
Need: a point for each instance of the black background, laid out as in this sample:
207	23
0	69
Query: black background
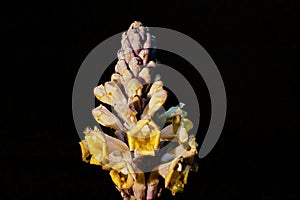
254	44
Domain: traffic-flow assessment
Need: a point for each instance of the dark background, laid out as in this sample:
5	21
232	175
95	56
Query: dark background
254	44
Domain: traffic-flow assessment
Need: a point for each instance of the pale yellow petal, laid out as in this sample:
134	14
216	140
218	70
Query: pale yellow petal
100	94
144	54
182	134
151	64
188	124
103	116
114	92
167	133
138	126
163	169
135	66
156	86
96	143
117	78
127	76
126	114
156	101
121	67
115	144
145	75
134	87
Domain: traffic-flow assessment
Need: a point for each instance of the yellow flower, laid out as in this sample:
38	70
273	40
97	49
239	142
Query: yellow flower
144	137
135	99
176	171
157	97
103	116
122	181
110	93
109	152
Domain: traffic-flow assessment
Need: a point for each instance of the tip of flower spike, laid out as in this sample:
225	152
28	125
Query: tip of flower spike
135	24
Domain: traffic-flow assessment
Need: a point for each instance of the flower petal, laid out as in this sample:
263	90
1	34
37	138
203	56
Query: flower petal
115	93
96	143
155	103
103	116
107	151
188	124
134	87
123	182
144	137
167	133
144	54
121	66
156	86
145	75
100	94
126	114
84	150
134	66
182	134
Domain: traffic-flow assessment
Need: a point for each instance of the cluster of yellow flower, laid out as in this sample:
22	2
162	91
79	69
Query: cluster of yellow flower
135	97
